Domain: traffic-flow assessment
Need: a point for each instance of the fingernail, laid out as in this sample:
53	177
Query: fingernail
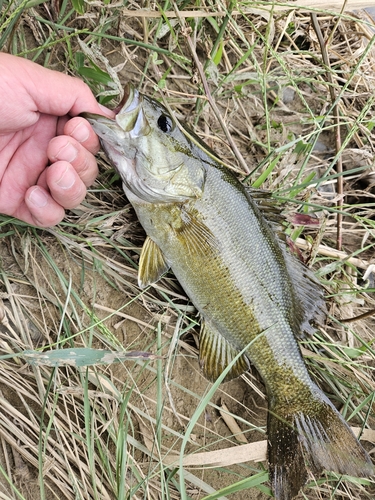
38	197
80	132
67	153
67	179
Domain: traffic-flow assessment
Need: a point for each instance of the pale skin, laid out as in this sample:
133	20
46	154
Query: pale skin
46	151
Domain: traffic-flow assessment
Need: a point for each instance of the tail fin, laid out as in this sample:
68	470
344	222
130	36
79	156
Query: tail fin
315	437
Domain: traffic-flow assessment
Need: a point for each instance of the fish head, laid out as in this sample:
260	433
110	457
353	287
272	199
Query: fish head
153	156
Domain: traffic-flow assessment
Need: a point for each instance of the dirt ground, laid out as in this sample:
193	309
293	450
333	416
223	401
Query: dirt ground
236	395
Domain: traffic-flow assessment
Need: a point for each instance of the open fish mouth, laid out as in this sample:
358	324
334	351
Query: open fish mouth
130	120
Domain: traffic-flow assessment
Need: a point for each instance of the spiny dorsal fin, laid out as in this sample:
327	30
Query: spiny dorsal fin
271	209
152	264
215	354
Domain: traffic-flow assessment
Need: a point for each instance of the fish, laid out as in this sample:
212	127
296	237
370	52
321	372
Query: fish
254	298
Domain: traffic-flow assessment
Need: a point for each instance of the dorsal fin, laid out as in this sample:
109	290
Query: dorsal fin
309	301
271	209
310	306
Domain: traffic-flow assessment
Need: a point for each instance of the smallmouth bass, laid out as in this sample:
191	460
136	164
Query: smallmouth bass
252	295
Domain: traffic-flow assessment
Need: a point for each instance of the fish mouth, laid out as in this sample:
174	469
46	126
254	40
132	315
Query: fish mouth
129	122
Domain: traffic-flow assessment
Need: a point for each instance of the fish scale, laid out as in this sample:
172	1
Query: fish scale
254	298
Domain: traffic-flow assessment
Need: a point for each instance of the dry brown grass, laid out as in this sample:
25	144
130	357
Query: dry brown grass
253	84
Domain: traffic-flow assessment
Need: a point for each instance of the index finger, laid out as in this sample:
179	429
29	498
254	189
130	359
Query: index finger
53	93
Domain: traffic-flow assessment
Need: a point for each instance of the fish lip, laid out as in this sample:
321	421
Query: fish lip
94	117
106	128
124	105
129	119
127	99
130	115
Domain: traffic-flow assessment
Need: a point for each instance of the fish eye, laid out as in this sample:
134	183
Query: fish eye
165	123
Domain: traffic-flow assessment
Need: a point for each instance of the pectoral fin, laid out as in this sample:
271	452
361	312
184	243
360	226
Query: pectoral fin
215	354
152	264
193	233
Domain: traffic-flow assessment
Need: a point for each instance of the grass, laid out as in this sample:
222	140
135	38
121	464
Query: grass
252	80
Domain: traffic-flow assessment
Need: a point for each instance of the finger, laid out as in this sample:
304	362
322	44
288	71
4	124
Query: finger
61	122
53	93
40	208
66	149
65	185
82	132
22	160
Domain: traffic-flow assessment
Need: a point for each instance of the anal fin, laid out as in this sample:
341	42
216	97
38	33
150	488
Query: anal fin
215	354
152	264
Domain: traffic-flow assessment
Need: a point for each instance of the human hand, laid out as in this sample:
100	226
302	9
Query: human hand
46	157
